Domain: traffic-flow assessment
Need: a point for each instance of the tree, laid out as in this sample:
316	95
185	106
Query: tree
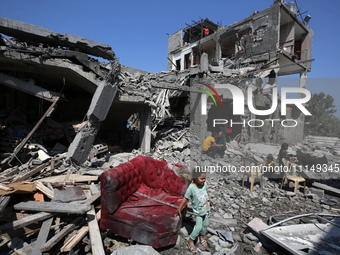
322	122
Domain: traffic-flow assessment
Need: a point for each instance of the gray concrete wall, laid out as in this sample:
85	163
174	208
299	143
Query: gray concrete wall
265	27
133	71
175	41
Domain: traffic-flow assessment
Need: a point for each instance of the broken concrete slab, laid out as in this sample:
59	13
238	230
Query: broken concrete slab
306	236
35	34
136	250
28	88
101	102
328	189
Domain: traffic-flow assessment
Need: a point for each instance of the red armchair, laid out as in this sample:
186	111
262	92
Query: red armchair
137	217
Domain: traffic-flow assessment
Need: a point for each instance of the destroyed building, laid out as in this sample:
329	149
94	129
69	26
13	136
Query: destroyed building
48	74
43	72
69	98
268	44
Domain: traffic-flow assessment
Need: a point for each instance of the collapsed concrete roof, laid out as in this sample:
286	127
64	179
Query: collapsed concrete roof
38	35
42	63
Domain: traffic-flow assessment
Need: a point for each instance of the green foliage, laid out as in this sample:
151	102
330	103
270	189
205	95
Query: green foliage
322	122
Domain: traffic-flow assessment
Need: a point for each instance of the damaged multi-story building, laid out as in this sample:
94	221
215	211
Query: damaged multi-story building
42	71
252	52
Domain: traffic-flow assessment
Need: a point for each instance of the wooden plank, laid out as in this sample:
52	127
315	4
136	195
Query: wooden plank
72	177
55	239
78	237
5	240
13	171
39	196
5	187
57	224
95	236
6	177
68	246
44	189
31	173
67	177
90	200
42	236
99	215
24	221
4	202
53	207
95	188
24	141
20	188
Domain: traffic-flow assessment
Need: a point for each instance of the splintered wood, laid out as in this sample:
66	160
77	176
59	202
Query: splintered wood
69	196
48	192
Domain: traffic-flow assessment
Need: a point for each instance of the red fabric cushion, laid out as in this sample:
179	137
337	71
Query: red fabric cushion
160	174
119	183
134	216
147	221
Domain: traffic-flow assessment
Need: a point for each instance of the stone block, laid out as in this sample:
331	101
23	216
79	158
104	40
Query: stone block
319	192
257	225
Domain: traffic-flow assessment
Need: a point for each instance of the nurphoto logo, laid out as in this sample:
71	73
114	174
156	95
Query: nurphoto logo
238	102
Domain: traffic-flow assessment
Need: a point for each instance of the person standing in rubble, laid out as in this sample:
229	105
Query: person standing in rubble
197	193
206	31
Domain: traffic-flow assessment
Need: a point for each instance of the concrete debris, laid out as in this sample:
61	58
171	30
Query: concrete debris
52	154
136	250
308	235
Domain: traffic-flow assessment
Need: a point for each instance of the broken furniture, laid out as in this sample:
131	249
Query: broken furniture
252	171
138	200
292	177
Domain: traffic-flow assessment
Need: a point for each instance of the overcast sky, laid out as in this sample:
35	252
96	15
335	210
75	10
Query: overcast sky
137	30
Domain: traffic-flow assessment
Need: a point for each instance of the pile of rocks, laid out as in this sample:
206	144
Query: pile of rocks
235	206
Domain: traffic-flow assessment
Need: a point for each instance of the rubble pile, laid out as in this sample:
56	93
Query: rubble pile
105	114
52	180
234	207
173	145
148	87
